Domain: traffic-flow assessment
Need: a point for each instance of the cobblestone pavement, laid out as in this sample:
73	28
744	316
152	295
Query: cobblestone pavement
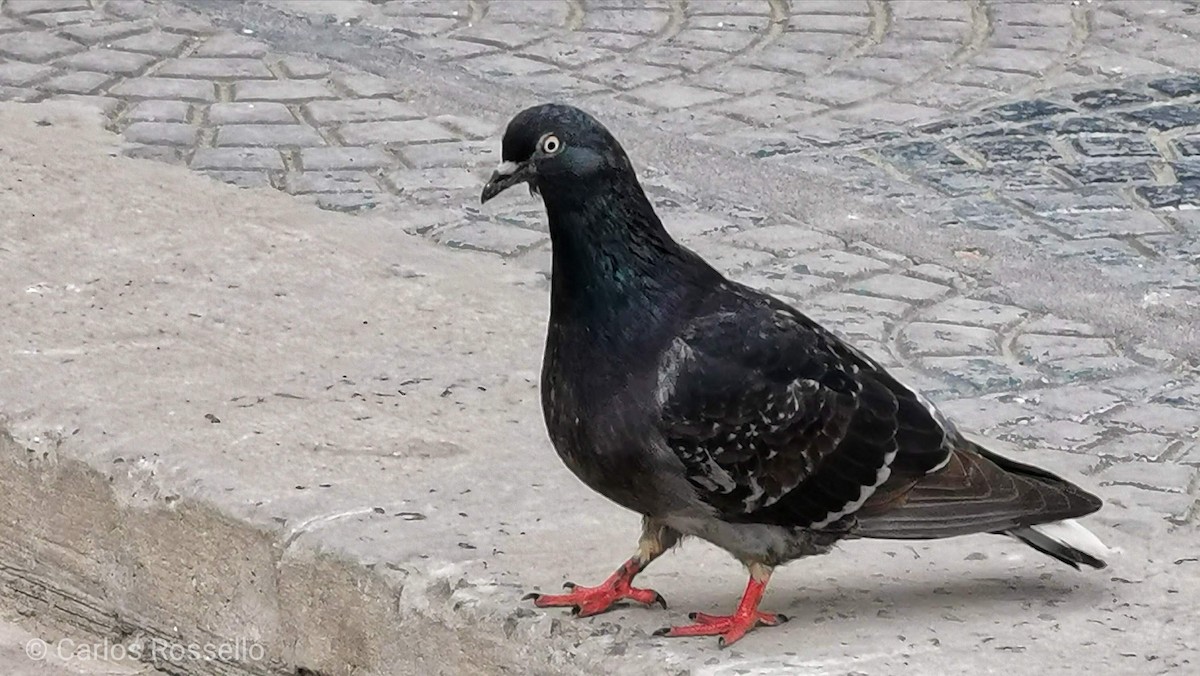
1072	126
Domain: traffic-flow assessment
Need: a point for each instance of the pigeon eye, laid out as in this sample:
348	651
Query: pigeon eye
551	144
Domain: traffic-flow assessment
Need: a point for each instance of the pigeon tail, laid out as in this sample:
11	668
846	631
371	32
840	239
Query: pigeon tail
979	491
1066	541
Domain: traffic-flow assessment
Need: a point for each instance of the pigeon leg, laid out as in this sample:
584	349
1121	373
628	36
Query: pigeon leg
732	627
585	601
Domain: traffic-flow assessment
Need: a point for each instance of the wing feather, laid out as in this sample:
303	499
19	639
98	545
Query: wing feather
778	421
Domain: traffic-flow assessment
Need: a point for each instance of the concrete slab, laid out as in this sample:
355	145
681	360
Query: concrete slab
231	418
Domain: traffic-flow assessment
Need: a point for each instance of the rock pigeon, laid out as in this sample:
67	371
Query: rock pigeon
719	412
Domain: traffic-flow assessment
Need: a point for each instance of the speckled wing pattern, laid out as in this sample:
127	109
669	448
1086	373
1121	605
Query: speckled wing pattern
778	421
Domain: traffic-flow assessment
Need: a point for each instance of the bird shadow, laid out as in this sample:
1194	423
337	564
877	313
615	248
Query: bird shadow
917	598
851	596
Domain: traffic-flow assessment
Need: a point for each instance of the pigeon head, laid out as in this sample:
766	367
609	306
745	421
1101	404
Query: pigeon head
611	255
555	146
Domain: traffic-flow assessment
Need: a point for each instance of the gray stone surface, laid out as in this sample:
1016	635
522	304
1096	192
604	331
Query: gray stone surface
232	68
237	159
165	88
267	112
287	91
995	199
268	135
158	111
324	159
161	133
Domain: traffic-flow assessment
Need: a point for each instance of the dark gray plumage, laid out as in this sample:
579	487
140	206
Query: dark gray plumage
720	412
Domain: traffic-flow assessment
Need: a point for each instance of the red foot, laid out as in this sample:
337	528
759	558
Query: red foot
586	601
730	627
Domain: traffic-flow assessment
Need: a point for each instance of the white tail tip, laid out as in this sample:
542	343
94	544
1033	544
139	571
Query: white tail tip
1068	532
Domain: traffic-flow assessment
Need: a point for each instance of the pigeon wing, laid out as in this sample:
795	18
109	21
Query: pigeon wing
778	421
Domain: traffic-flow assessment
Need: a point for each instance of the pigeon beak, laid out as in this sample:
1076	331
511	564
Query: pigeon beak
506	176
